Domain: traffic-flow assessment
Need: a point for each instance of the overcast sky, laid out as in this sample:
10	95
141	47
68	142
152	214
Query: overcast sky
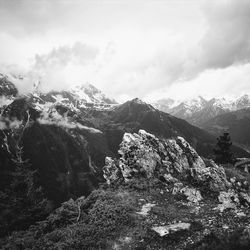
129	48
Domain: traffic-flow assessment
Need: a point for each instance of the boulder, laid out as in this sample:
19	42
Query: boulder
144	155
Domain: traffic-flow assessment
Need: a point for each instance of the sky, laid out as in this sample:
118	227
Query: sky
150	49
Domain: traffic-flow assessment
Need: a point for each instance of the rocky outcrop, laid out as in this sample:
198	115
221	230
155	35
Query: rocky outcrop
172	160
192	194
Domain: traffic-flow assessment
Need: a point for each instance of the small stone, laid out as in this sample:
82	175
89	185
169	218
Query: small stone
241	214
192	194
165	230
146	209
228	200
169	178
232	180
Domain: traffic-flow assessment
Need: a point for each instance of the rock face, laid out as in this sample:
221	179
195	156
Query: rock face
144	155
8	91
176	163
7	88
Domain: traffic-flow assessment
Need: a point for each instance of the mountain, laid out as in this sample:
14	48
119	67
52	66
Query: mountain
7	88
8	91
136	114
78	97
237	123
198	110
51	131
62	140
158	194
93	126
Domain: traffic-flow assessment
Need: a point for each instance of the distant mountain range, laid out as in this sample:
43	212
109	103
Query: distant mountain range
215	115
54	146
199	110
68	134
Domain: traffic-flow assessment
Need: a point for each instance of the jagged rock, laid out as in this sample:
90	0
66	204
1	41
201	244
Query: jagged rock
244	198
177	187
192	194
218	180
165	230
232	199
198	169
169	178
110	172
138	154
143	154
228	200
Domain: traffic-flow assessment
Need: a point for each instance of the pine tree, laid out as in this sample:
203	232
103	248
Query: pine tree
22	202
223	153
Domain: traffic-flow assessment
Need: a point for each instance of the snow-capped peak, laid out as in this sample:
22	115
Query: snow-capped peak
243	102
224	103
89	94
7	88
195	103
198	110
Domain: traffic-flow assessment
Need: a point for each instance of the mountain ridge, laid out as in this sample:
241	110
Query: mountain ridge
198	110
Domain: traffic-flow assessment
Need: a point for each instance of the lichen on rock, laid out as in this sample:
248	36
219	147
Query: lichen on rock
110	172
144	155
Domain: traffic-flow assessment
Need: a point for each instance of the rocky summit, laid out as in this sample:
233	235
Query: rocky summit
159	194
171	160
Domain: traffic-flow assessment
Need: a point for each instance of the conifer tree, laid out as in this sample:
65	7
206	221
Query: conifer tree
223	153
22	201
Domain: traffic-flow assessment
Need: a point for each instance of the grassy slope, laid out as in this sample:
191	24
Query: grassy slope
110	220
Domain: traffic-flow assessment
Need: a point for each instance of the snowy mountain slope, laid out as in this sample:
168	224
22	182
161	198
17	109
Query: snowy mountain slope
78	97
198	110
8	91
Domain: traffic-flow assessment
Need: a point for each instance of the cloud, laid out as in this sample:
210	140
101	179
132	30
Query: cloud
61	67
231	82
218	64
126	48
120	69
79	53
22	17
227	39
